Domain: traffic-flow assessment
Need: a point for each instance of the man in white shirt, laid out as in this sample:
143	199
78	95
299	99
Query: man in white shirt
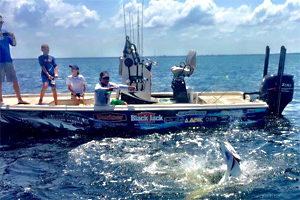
104	84
76	84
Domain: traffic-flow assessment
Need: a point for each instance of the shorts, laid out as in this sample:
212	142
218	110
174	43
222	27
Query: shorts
51	83
7	69
77	95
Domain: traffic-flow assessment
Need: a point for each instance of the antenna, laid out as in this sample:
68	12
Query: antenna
138	29
132	23
124	19
142	39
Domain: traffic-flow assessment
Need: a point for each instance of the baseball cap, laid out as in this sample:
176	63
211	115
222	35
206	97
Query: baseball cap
74	67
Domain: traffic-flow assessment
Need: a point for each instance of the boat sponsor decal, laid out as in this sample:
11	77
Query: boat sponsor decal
253	110
235	113
15	119
192	120
120	124
225	112
68	118
191	112
211	119
102	124
110	117
173	119
225	118
146	117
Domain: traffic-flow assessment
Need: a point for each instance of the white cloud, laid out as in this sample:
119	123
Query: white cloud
67	15
8	9
167	13
22	13
177	14
131	9
268	13
42	34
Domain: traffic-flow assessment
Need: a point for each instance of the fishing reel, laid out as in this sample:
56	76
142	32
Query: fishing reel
149	63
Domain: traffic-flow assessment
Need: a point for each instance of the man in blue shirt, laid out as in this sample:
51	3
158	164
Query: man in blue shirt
6	65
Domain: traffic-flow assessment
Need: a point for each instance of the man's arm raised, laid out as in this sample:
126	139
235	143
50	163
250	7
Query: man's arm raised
12	36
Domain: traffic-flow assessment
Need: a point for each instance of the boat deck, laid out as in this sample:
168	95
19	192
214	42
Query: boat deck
223	98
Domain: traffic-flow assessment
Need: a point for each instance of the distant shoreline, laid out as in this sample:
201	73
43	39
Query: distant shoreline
109	57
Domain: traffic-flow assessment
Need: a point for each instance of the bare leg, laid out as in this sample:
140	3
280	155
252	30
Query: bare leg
54	95
18	93
43	91
75	99
81	100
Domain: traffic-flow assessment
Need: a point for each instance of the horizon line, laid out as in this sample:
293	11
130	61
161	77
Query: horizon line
246	54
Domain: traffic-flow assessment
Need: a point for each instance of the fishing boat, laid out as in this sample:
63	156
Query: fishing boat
148	110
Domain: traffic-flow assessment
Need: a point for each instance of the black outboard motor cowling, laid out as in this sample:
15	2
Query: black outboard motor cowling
269	93
179	91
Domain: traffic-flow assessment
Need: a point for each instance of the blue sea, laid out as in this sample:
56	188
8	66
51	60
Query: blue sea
179	164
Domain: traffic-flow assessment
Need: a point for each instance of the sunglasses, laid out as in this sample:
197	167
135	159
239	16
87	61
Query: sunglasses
105	78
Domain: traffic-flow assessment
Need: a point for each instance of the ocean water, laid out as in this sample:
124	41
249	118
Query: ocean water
162	165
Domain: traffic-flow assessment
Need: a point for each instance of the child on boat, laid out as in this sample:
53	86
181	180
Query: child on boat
76	84
49	73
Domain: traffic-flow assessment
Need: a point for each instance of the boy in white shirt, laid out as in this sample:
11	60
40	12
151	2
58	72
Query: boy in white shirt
76	84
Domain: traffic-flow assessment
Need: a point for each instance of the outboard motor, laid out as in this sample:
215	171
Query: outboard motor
269	92
136	73
276	90
178	84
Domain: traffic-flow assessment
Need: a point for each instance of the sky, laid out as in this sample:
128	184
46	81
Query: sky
95	28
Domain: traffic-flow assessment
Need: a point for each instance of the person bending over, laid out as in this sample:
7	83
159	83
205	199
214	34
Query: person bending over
104	83
76	84
49	73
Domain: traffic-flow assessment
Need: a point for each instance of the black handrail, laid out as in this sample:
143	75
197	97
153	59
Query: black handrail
250	93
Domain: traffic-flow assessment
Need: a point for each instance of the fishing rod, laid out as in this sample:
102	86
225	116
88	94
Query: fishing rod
138	29
143	28
124	19
132	23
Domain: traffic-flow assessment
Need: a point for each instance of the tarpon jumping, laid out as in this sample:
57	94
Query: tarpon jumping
232	160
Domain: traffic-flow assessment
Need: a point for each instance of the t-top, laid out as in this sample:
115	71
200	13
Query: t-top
49	63
5	41
76	82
